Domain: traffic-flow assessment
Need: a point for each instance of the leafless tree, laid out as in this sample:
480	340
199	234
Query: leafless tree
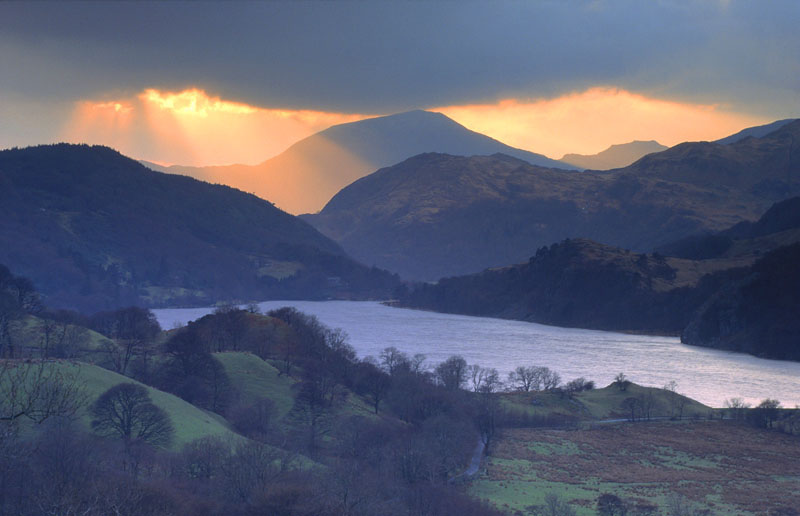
127	412
622	382
676	401
554	505
131	329
391	359
522	378
736	408
452	373
38	390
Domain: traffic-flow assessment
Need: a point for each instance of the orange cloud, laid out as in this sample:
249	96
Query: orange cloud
191	127
588	122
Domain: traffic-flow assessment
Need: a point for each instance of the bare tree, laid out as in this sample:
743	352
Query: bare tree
765	413
736	408
554	505
373	382
476	374
676	401
533	378
452	373
550	379
523	378
38	390
391	359
127	412
131	330
678	505
611	505
622	382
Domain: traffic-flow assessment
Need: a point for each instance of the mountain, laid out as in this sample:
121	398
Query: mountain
755	312
746	299
616	156
305	176
437	215
95	230
755	132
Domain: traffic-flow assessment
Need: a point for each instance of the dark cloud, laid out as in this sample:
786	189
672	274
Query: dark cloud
388	56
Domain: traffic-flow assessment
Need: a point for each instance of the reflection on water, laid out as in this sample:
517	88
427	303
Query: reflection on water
706	375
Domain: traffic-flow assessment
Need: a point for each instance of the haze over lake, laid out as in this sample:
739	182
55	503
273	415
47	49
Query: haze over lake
706	375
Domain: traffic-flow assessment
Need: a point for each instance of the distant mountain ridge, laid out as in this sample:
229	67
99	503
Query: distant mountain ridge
616	156
437	215
96	230
306	176
755	132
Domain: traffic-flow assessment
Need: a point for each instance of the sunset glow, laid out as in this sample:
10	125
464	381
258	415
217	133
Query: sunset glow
192	127
590	121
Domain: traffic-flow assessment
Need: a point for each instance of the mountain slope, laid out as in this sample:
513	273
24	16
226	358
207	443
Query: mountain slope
94	230
755	132
436	215
616	156
304	177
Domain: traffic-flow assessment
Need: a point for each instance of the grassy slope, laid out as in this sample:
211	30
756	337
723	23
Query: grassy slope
29	332
256	379
189	421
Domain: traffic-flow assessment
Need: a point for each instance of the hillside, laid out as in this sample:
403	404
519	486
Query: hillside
95	230
616	156
437	215
305	176
756	313
743	295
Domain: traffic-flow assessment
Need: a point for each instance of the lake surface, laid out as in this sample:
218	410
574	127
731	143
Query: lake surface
706	375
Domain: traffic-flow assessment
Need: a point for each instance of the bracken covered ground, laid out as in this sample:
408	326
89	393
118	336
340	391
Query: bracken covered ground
723	466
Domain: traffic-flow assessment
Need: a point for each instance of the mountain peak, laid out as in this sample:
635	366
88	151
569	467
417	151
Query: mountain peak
308	174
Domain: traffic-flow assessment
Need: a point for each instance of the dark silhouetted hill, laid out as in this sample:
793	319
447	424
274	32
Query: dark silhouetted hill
95	230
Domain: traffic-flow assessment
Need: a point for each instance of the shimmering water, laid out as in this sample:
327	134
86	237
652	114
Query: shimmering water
706	375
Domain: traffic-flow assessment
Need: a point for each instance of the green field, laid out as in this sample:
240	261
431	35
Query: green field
720	465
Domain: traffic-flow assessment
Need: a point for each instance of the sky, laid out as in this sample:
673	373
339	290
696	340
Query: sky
212	83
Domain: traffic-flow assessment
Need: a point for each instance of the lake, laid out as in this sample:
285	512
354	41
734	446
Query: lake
706	375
